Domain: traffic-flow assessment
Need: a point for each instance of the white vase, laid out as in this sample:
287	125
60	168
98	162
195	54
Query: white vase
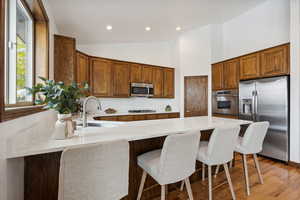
61	130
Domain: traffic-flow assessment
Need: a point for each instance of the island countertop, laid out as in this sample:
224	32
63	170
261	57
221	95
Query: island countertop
130	131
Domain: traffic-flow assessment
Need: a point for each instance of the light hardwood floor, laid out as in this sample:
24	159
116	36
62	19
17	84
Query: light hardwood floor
281	182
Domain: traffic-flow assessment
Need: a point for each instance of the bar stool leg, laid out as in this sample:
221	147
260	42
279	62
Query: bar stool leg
203	171
209	183
182	185
246	173
144	176
258	169
189	188
217	171
229	181
163	192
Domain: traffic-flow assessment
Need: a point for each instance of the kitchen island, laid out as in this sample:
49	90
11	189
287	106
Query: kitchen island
42	160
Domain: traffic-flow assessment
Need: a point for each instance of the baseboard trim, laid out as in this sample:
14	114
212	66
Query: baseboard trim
294	164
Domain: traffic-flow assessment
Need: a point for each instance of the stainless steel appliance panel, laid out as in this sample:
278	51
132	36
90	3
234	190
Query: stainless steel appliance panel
272	105
225	102
246	100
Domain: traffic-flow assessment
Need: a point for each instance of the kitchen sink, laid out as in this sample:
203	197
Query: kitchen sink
101	124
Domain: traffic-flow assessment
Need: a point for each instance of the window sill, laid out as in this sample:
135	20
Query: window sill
16	112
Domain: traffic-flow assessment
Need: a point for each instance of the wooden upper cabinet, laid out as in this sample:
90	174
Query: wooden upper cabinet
100	77
64	59
231	74
158	81
169	79
82	68
121	79
250	66
147	74
217	76
275	61
135	73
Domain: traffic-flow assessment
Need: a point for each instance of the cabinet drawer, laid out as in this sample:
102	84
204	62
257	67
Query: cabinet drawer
139	117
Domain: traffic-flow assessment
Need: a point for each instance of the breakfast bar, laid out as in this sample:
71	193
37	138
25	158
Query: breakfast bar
42	160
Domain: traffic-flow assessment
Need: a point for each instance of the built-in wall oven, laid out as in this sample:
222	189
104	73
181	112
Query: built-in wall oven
225	102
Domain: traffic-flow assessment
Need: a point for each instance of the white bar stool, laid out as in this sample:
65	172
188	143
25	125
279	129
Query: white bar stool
93	172
252	143
219	150
174	162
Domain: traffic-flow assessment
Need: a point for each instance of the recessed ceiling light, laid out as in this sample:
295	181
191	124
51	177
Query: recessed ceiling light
178	28
148	28
109	27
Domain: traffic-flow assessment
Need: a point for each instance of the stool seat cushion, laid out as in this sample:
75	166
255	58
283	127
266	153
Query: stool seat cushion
150	162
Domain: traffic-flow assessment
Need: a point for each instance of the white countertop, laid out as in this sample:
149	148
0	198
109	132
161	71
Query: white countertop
103	114
137	130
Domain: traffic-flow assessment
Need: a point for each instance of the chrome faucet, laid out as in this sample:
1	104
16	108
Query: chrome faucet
84	115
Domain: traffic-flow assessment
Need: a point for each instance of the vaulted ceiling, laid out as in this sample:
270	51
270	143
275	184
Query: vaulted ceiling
87	19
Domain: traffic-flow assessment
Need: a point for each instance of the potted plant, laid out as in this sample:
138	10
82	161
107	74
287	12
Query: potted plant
65	99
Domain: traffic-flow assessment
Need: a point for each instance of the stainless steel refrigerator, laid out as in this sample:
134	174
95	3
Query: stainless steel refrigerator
268	100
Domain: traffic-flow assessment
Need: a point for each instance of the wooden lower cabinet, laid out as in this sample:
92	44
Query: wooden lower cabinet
126	118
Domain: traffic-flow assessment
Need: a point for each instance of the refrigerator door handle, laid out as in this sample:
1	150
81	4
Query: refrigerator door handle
253	107
256	106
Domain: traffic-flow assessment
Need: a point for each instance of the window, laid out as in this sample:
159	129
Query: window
24	51
19	66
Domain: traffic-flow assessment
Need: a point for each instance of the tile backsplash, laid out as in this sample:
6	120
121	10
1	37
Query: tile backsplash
134	103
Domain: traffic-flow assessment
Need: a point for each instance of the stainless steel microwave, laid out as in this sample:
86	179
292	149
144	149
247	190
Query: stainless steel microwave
141	90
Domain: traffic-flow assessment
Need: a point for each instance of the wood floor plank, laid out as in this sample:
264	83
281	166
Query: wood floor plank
281	182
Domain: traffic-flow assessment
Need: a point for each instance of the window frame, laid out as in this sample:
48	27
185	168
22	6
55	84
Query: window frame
39	14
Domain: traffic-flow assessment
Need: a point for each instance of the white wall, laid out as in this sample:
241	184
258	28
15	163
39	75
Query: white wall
295	82
264	26
195	58
155	53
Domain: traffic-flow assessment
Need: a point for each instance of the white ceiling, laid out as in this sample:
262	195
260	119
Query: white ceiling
87	19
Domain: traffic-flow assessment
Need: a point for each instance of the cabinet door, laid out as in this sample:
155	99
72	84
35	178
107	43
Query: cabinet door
231	74
82	69
158	76
147	74
64	59
249	66
136	73
275	61
100	77
121	76
217	76
168	83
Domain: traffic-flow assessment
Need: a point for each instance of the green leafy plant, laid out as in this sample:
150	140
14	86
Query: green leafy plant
58	96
